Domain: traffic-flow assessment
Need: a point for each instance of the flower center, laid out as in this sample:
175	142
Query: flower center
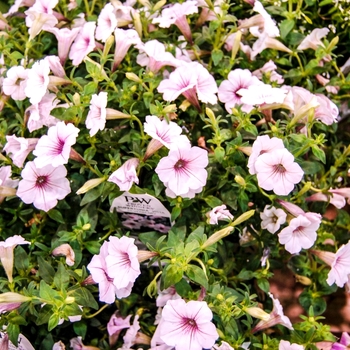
41	181
191	323
180	164
279	168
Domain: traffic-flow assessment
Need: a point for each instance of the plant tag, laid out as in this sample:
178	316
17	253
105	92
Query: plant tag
142	212
23	343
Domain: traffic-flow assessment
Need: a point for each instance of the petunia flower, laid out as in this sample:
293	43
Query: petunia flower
300	234
176	14
183	170
327	112
38	21
191	80
261	94
18	148
276	317
6	253
40	113
163	133
286	345
122	261
83	44
187	326
269	69
343	344
6	183
272	218
77	344
106	22
96	118
237	79
277	171
115	325
43	187
126	175
313	40
124	38
55	147
65	38
153	56
15	83
263	144
37	81
339	262
218	213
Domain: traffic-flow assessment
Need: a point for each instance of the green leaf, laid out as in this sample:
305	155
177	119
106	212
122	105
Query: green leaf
308	299
264	284
47	293
83	297
21	258
286	26
217	56
197	275
53	322
91	195
54	214
213	201
310	167
44	315
93	246
61	278
183	288
175	213
13	333
319	153
219	153
171	275
90	88
80	328
46	271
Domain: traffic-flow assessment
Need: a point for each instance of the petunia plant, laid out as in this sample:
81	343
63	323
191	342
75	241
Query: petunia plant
162	162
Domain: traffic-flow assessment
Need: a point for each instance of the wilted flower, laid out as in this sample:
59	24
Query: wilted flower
219	213
126	175
67	251
313	40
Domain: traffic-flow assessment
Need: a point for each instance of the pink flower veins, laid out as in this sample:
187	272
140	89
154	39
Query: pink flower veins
187	326
43	187
55	147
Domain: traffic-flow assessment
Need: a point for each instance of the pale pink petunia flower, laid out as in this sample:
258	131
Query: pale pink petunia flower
191	80
39	113
237	79
327	112
65	38
272	219
261	94
44	6
337	197
6	182
55	147
165	295
6	253
126	175
286	345
77	344
15	83
269	69
313	40
55	66
96	118
183	169
117	323
124	38
38	21
83	44
300	234
122	262
43	186
277	171
37	81
18	148
167	134
263	144
343	343
340	267
106	22
176	14
98	270
267	42
153	56
187	326
276	317
131	334
219	213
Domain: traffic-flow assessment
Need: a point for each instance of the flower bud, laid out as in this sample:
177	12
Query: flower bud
137	23
247	215
303	280
133	77
143	255
76	99
257	313
11	297
90	184
239	179
114	114
236	44
211	115
217	236
246	150
159	5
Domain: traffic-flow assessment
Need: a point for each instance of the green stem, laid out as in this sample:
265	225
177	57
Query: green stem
97	312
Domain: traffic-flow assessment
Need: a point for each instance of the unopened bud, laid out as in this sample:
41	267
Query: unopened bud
76	99
245	150
11	297
239	179
114	114
303	280
69	300
245	216
236	44
67	251
257	313
170	109
133	77
137	23
86	227
143	255
211	115
217	236
90	184
159	5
